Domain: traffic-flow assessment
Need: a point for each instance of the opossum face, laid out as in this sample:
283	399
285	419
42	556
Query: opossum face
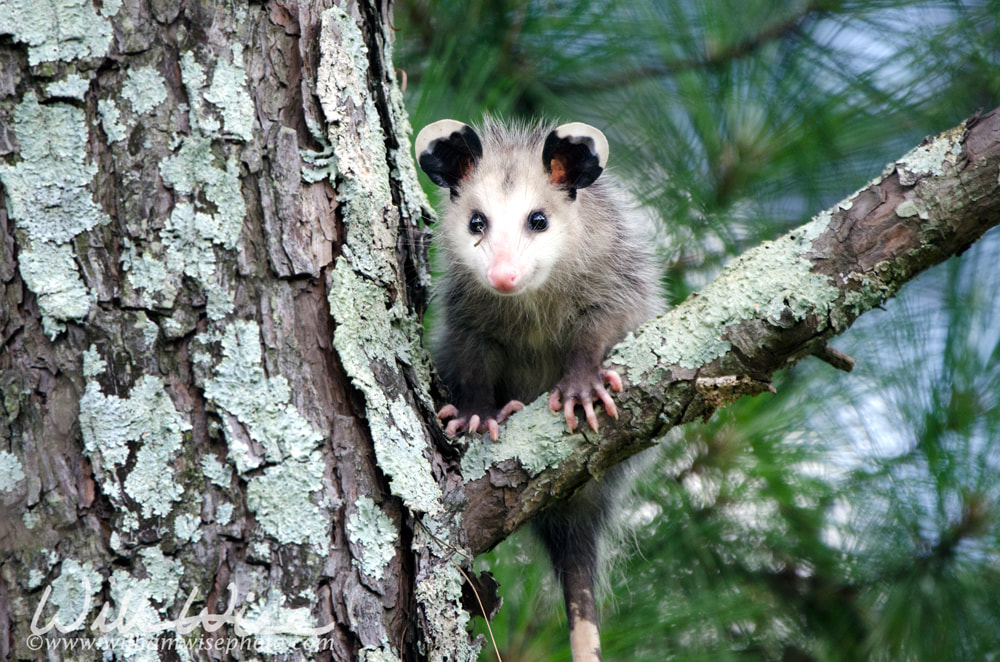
513	213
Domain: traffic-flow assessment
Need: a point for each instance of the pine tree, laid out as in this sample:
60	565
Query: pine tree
847	516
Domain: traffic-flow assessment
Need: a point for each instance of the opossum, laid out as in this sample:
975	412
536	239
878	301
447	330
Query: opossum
546	266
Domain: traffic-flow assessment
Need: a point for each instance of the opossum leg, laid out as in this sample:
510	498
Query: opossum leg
477	423
584	385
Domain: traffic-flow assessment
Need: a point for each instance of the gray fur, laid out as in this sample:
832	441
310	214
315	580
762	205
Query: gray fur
491	348
606	285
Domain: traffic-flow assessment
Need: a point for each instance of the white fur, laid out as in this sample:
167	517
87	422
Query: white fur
581	130
595	256
432	132
508	238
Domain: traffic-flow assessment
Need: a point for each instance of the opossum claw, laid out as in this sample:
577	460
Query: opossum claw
611	378
454	427
508	409
448	411
568	413
555	400
585	392
477	423
588	410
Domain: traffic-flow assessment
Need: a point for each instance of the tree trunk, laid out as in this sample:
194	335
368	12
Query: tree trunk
202	199
216	401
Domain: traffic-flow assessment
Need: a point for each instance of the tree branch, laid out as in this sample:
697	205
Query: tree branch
770	308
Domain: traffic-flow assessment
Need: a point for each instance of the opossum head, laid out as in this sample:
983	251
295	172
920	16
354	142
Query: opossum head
513	213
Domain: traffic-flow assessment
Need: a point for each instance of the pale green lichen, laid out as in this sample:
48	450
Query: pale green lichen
401	452
189	236
156	282
31	519
382	654
317	166
186	247
766	281
375	535
144	88
11	472
111	120
195	170
73	86
931	158
105	428
109	425
281	498
259	549
150	330
49	270
229	93
218	302
869	294
261	404
93	363
282	503
151	482
61	30
193	77
73	593
49	197
366	334
279	629
163	575
439	592
224	513
363	187
187	527
35	578
216	472
134	600
531	442
908	209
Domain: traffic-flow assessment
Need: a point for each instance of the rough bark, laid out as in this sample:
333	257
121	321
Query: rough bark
187	188
772	307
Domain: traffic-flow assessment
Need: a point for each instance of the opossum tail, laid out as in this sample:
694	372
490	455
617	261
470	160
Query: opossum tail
572	533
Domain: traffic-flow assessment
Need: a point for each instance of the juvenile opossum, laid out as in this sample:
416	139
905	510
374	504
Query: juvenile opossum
546	266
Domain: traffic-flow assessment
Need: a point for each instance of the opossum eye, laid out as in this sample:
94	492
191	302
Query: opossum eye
538	221
477	224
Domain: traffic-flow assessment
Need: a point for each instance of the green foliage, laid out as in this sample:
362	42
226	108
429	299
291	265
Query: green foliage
849	516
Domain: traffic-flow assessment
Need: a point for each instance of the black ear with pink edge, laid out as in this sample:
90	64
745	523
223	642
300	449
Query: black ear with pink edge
447	150
574	155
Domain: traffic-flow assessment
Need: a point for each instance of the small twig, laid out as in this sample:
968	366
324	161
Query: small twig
834	357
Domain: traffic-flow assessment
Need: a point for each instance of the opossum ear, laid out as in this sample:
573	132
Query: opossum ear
447	151
575	155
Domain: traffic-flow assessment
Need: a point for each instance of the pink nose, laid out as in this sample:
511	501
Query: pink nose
503	278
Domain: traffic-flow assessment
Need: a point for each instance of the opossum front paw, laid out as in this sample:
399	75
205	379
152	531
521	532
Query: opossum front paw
477	423
585	391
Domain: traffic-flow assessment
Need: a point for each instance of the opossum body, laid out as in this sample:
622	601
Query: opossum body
546	267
